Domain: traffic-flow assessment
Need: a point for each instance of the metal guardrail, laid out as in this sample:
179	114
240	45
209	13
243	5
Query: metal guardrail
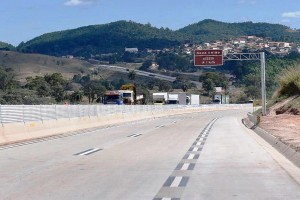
31	113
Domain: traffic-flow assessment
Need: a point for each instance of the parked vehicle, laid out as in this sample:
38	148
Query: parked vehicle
183	98
172	99
130	95
195	99
216	101
113	97
221	99
160	98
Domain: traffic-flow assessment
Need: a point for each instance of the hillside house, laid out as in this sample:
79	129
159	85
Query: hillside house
132	50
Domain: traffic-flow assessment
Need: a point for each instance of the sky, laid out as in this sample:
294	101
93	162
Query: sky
23	20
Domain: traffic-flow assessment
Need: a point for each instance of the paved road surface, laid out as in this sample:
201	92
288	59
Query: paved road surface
208	155
139	72
148	74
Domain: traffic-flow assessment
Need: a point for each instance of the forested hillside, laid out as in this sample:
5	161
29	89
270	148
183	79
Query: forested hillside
107	38
114	37
209	30
6	46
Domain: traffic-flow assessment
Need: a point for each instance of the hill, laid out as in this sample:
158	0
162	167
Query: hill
114	37
6	46
25	65
97	39
208	30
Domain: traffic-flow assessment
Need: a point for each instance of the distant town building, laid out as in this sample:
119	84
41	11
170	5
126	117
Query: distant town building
132	50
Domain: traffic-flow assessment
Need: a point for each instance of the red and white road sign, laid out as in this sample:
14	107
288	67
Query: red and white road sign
208	57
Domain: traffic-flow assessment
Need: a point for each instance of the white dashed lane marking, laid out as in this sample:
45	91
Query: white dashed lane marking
87	152
191	156
187	163
176	182
195	149
135	135
185	166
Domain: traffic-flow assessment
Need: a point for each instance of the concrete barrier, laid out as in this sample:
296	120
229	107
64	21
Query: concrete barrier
253	118
21	131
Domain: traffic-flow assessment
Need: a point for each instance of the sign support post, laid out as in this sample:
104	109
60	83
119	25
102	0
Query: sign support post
263	82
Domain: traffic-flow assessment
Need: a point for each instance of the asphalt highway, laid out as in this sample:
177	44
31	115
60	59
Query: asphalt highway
205	155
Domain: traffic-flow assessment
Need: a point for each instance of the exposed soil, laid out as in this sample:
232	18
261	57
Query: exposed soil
284	123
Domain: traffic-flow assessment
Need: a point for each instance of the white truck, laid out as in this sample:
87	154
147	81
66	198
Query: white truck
160	98
184	98
195	99
172	99
130	95
221	99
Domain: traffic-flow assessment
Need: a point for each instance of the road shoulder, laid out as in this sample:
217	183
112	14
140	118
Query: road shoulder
283	154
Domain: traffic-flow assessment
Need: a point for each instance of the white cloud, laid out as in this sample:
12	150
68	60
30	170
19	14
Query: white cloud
79	2
291	14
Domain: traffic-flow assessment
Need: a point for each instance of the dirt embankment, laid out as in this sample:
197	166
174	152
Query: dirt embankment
283	122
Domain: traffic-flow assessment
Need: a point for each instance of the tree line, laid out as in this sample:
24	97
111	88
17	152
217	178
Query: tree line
81	89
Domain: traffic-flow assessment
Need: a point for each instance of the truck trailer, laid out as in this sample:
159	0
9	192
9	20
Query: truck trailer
184	98
195	99
172	99
160	98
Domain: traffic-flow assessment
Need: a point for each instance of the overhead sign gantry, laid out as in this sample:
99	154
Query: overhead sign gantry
216	57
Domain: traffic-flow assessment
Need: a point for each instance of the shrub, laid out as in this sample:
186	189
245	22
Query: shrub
290	81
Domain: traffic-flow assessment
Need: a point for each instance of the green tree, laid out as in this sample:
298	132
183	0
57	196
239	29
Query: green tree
50	85
55	79
23	96
40	85
7	80
76	78
172	61
76	97
94	90
132	75
209	86
128	57
218	79
164	86
146	65
253	92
